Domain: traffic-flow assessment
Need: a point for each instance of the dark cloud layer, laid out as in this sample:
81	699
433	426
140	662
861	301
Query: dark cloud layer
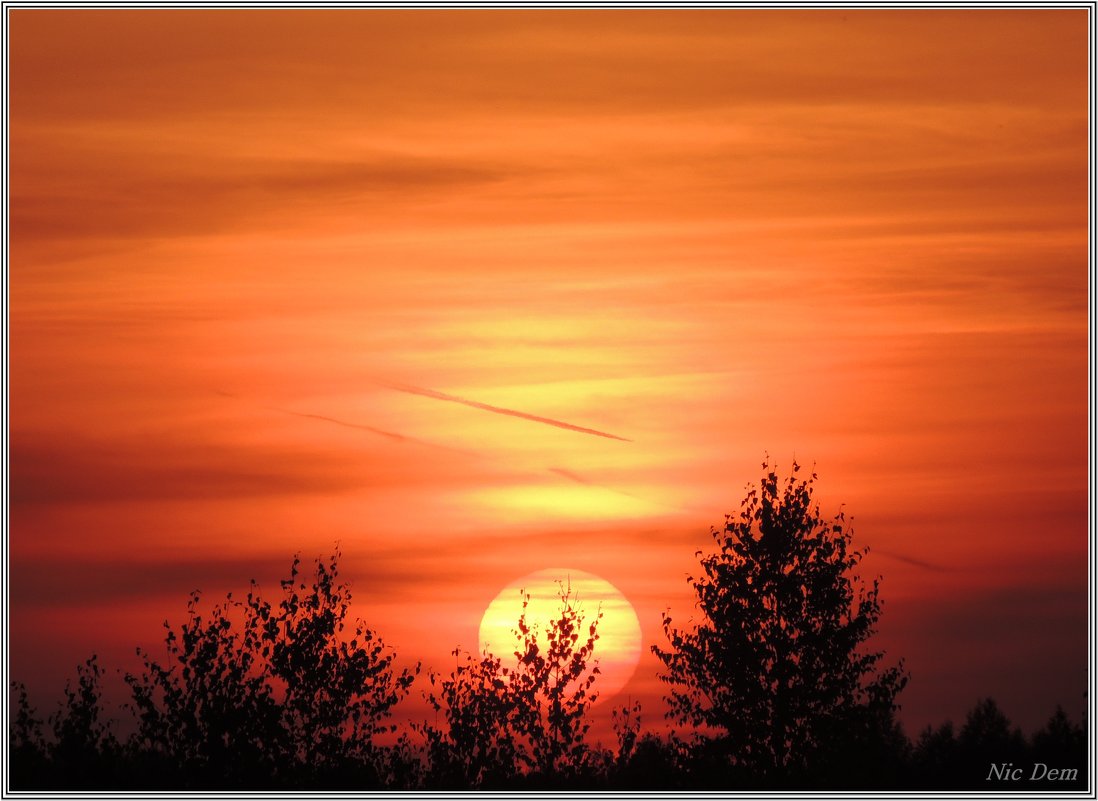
108	196
48	470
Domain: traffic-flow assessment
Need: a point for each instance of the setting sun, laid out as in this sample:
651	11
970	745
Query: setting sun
617	649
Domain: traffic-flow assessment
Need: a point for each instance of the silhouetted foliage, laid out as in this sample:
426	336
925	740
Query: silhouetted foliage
1063	744
1058	737
986	738
209	714
285	696
82	738
643	761
627	728
935	757
338	693
27	743
989	753
522	722
654	763
773	673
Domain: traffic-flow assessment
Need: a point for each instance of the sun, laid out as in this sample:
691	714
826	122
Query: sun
617	649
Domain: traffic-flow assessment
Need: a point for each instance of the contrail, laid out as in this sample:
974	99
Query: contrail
578	479
911	561
430	393
381	432
568	474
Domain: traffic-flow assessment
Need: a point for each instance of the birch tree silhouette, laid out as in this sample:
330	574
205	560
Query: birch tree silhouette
521	722
255	694
773	673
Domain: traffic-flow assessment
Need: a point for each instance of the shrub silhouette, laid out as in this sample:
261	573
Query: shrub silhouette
256	695
26	742
77	739
643	761
773	673
627	729
522	723
653	763
82	739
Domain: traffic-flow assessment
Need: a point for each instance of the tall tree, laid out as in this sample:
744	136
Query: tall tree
773	672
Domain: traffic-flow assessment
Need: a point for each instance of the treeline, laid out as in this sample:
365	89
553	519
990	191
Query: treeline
255	696
771	686
75	750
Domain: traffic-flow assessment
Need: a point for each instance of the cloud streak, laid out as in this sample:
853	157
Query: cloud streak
52	470
381	432
486	407
910	560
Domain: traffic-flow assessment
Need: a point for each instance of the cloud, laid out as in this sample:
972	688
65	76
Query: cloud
910	560
372	573
50	470
115	196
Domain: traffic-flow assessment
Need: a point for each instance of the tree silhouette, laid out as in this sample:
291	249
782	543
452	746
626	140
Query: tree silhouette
82	738
209	717
255	695
774	673
26	742
79	750
338	692
773	681
986	738
935	758
526	719
1062	743
989	753
477	748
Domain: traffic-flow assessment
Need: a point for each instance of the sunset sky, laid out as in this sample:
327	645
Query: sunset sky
480	293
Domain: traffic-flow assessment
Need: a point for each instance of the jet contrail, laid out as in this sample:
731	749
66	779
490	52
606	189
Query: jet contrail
381	432
578	479
568	474
911	561
430	393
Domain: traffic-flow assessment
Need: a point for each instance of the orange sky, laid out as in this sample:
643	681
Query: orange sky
254	254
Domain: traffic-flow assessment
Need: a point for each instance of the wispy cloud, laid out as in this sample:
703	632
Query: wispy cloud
54	469
487	407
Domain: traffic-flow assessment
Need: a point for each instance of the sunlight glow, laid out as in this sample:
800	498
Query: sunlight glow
548	501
